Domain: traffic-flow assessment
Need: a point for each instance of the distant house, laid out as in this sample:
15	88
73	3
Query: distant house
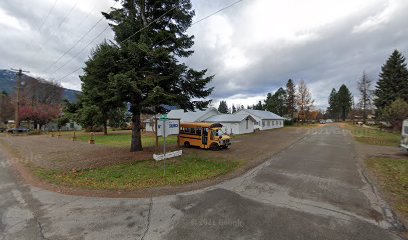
264	119
234	123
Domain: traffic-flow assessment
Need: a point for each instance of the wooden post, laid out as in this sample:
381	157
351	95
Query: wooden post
92	140
155	127
178	136
74	137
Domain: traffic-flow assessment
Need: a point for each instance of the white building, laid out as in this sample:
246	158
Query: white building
234	123
264	119
189	116
197	116
244	121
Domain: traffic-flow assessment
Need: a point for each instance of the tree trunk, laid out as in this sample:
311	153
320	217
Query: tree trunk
105	128
136	144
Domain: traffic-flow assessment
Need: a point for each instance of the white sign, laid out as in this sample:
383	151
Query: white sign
159	157
172	127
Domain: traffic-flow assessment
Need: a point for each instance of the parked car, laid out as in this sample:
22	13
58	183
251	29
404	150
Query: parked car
329	121
404	135
18	130
322	121
2	129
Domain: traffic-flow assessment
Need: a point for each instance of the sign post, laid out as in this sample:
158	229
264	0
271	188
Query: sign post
164	118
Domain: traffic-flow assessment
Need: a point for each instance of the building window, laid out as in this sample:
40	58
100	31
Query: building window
263	123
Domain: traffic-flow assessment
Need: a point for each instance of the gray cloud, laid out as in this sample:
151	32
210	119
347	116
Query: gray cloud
247	63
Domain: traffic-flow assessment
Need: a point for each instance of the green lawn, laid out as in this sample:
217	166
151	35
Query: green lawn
141	174
374	136
393	174
123	140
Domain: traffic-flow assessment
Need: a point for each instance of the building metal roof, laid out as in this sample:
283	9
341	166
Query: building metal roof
229	118
189	116
261	114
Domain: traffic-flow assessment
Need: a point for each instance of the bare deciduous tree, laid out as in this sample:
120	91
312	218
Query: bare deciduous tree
304	101
364	87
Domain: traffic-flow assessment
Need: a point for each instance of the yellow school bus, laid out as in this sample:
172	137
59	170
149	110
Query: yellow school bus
203	135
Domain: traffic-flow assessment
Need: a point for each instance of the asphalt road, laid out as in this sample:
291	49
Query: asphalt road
314	189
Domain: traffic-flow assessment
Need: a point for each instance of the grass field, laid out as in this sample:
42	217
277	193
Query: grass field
141	174
374	136
123	140
393	174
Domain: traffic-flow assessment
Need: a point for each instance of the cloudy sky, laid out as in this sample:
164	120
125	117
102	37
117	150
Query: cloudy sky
252	48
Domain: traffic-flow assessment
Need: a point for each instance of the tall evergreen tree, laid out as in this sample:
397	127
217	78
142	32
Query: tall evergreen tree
333	109
98	101
364	87
393	81
153	40
234	110
291	98
259	106
276	103
344	101
223	107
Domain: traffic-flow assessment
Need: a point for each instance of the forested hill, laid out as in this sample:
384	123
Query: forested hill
8	83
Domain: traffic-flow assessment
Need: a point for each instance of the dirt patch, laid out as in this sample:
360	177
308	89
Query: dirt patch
60	153
54	153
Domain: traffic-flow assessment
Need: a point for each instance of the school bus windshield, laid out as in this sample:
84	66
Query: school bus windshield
217	132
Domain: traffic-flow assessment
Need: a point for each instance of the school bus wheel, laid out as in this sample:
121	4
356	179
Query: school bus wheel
186	144
215	147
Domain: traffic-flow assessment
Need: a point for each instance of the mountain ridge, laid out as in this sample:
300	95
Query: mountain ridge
8	82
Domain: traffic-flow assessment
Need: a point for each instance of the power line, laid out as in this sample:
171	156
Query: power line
80	51
200	20
48	15
69	13
59	26
76	43
148	25
214	13
43	22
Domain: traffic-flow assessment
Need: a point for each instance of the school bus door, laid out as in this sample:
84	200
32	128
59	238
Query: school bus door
204	137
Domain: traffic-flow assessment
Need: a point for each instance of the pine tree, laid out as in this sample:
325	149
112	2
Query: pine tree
276	103
291	98
333	109
393	81
259	106
98	101
234	110
344	101
364	87
223	107
153	41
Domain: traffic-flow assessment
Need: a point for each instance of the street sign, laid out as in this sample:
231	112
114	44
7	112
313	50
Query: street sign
172	127
164	117
159	157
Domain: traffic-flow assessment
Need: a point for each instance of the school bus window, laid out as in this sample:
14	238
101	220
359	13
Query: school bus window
198	131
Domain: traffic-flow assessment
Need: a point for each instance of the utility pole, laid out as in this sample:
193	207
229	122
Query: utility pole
19	83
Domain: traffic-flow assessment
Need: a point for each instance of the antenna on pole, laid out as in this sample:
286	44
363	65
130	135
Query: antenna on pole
19	84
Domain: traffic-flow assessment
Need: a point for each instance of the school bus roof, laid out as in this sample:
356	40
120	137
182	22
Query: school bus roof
200	124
